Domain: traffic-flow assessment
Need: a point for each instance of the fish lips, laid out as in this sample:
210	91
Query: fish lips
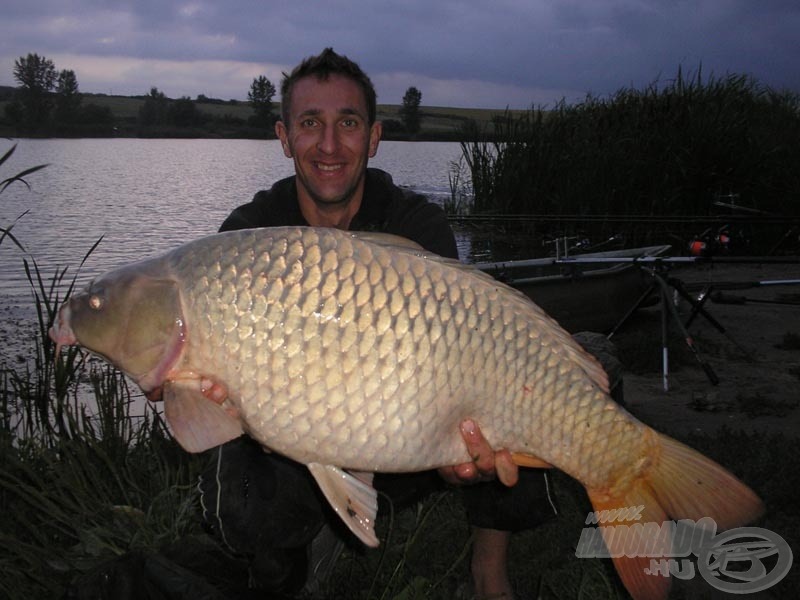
61	333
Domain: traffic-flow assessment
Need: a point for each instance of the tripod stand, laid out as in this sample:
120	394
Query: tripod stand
667	287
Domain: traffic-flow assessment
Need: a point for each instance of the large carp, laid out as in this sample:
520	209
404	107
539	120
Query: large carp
361	352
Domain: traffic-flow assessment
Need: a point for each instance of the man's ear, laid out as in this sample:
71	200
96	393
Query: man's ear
375	137
283	136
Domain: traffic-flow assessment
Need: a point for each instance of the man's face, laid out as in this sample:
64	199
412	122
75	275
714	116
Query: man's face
329	138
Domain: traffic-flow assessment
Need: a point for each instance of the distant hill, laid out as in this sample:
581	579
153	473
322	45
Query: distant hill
232	118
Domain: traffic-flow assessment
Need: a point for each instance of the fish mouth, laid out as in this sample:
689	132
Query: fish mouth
61	333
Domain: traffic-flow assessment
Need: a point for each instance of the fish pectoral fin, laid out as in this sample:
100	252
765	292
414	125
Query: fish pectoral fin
354	500
196	422
529	460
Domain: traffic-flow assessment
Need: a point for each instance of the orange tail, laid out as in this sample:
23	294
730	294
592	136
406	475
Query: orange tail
681	484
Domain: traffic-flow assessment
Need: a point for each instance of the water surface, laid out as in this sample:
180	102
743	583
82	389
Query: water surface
144	197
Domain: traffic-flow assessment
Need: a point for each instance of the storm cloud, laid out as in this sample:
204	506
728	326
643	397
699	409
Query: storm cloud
515	53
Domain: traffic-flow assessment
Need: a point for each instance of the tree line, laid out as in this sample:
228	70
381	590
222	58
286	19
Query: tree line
49	102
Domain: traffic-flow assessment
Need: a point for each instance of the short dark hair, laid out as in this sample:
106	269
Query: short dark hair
322	66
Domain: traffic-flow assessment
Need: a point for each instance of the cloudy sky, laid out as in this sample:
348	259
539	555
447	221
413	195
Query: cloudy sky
487	53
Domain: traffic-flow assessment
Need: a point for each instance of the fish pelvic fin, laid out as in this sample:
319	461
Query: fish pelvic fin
679	483
529	460
352	497
196	422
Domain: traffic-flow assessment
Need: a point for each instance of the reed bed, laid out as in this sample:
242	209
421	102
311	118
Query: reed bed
669	150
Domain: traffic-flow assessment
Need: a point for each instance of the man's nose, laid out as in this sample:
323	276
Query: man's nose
328	141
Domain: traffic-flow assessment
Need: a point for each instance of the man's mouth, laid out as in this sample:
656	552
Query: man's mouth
326	168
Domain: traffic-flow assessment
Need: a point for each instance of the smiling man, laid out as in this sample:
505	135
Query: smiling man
266	506
330	135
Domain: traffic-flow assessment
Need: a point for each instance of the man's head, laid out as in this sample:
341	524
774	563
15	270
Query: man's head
329	129
322	66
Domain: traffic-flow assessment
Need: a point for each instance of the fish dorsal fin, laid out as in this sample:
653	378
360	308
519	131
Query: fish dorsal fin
388	240
195	421
401	244
354	500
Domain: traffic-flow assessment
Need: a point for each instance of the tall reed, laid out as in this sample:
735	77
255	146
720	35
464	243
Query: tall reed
669	149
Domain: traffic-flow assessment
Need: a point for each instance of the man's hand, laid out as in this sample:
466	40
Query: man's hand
486	464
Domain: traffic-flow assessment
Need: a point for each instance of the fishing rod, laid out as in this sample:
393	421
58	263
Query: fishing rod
765	219
637	260
754	260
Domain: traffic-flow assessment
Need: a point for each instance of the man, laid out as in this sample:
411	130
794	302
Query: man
329	129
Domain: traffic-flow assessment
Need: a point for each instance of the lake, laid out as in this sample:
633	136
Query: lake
147	196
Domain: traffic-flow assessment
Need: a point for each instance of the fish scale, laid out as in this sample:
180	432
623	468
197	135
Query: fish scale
362	352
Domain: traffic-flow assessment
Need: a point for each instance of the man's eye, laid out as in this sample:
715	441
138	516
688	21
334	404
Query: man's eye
308	123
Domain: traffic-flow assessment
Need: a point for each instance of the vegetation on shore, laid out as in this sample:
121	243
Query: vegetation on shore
214	118
647	163
48	103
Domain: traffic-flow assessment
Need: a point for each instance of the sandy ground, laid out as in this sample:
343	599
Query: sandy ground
759	377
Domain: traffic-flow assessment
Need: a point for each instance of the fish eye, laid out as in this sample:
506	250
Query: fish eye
96	302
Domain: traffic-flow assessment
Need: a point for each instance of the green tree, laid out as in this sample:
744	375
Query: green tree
36	76
68	98
183	112
96	120
409	112
260	95
154	110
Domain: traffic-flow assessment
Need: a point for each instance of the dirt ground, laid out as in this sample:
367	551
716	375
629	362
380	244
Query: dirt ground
756	359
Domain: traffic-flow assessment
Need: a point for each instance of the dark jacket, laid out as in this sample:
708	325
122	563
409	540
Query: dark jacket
385	207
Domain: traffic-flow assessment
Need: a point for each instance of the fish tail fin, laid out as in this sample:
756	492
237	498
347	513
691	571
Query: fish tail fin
691	486
680	484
